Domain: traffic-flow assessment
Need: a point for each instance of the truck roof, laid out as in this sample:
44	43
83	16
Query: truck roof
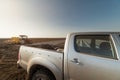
96	33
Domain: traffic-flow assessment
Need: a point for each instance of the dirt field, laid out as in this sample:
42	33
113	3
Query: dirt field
8	67
8	59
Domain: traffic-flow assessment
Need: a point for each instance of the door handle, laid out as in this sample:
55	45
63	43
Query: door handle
75	60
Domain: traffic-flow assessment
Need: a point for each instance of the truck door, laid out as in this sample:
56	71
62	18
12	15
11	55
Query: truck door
93	57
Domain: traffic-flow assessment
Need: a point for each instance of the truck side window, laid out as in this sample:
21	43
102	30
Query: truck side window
98	45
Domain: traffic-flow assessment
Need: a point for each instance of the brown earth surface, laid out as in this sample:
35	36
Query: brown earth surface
8	59
8	66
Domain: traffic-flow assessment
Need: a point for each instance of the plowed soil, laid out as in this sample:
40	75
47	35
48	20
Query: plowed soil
8	66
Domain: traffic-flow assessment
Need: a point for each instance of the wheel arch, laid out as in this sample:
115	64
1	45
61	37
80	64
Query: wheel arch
39	62
36	67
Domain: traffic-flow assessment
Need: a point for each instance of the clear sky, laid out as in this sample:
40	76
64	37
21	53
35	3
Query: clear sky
56	18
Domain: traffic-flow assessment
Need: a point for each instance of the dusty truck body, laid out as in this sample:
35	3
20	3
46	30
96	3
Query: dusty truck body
86	56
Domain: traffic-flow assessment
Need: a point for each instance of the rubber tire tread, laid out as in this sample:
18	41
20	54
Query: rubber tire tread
43	72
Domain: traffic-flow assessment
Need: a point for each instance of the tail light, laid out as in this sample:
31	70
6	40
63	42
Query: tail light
18	56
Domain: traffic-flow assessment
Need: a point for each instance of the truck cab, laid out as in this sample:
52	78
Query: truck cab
92	56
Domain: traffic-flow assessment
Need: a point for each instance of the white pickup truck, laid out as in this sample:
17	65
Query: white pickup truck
86	56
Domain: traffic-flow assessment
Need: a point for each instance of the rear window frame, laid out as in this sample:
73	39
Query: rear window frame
110	39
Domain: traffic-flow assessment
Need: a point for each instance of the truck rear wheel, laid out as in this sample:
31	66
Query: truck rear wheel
42	75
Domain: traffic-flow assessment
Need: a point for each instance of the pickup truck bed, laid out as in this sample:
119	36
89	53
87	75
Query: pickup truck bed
43	56
28	54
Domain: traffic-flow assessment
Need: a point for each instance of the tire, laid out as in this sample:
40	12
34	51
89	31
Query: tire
42	75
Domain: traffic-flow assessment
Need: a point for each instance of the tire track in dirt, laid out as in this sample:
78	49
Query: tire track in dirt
8	66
